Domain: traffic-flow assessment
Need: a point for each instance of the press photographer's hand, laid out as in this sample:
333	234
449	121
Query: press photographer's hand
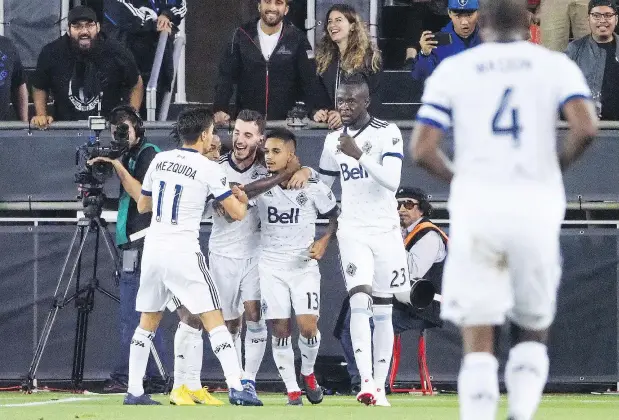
42	121
99	159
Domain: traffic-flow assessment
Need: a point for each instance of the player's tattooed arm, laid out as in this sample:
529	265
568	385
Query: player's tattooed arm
261	186
319	247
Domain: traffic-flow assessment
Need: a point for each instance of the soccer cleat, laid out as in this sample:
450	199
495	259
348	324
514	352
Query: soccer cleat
202	396
381	398
243	398
143	399
294	398
181	396
367	395
313	391
250	386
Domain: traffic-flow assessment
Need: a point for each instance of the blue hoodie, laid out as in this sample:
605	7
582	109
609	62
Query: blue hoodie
423	66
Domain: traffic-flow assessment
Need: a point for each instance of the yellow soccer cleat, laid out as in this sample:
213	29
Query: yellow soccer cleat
181	396
202	396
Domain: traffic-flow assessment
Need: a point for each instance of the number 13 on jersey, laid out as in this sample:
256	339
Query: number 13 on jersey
506	121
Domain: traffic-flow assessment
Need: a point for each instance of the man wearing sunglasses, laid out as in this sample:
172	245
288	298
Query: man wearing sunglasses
597	56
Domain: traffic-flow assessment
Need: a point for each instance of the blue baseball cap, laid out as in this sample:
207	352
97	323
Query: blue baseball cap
462	5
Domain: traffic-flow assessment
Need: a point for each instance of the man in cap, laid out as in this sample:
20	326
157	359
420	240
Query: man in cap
85	73
596	55
464	35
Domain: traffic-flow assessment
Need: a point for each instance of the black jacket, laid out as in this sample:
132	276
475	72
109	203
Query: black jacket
270	87
333	76
134	23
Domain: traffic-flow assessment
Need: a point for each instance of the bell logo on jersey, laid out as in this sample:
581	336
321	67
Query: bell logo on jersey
284	218
354	173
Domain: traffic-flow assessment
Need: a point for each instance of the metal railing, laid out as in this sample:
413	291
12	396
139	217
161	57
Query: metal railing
151	88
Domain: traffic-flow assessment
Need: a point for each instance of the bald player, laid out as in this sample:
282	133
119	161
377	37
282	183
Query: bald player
507	200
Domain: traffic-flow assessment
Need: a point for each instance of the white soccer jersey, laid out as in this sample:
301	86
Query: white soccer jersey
502	100
238	239
366	204
288	220
179	181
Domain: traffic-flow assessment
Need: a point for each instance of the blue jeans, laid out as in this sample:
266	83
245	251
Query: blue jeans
402	321
129	320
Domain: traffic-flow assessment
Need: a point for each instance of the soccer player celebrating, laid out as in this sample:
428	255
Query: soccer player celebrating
175	189
504	261
289	275
367	156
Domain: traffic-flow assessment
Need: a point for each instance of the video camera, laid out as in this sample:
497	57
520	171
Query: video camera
91	178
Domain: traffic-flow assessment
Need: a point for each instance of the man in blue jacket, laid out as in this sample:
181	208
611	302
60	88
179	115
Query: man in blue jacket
464	35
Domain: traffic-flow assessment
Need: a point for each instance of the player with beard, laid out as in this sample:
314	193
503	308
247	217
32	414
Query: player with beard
271	62
85	72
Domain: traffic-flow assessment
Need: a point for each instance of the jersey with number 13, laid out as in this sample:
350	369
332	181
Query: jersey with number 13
179	182
502	102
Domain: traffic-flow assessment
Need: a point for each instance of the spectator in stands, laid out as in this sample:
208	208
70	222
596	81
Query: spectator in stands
597	55
464	35
272	64
137	24
345	49
12	82
84	71
429	15
557	17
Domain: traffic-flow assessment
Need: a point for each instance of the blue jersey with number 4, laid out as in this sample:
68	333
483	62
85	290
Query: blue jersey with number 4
501	100
179	181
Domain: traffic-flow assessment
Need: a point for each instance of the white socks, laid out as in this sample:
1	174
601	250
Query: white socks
361	334
255	345
382	342
188	349
526	374
236	339
478	387
309	351
223	347
284	361
139	352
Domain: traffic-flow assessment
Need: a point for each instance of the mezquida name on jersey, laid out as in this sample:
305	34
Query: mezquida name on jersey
186	170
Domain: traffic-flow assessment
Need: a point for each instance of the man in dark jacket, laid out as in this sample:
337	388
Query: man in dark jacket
597	55
272	64
138	23
464	35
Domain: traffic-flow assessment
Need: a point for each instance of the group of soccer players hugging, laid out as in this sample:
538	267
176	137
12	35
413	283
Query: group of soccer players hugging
500	100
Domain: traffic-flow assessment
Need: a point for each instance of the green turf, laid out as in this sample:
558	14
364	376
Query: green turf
559	407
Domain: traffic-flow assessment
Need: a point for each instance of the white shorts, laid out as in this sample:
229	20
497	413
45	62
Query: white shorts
237	281
501	268
166	273
376	260
284	287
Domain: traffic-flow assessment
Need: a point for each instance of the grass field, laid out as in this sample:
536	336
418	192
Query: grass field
51	406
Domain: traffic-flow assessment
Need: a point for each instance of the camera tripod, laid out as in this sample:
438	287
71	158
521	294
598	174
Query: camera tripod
84	295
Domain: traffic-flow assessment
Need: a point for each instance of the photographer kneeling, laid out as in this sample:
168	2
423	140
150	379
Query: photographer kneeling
131	227
426	248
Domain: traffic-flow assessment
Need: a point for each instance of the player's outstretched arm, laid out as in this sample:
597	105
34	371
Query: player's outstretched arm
580	115
236	204
145	203
261	186
319	247
424	148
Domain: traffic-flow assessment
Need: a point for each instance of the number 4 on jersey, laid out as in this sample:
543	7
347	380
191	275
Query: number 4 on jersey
503	114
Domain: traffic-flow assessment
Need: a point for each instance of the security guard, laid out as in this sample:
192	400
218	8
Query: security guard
131	228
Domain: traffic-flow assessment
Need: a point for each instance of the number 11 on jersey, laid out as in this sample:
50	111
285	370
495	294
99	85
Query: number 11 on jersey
178	189
502	114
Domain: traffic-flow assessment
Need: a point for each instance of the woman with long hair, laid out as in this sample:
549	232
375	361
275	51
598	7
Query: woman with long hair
344	50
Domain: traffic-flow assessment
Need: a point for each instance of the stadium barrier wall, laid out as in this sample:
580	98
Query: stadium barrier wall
38	166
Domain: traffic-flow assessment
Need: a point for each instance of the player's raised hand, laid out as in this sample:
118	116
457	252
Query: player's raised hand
427	42
240	194
349	147
299	179
318	248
